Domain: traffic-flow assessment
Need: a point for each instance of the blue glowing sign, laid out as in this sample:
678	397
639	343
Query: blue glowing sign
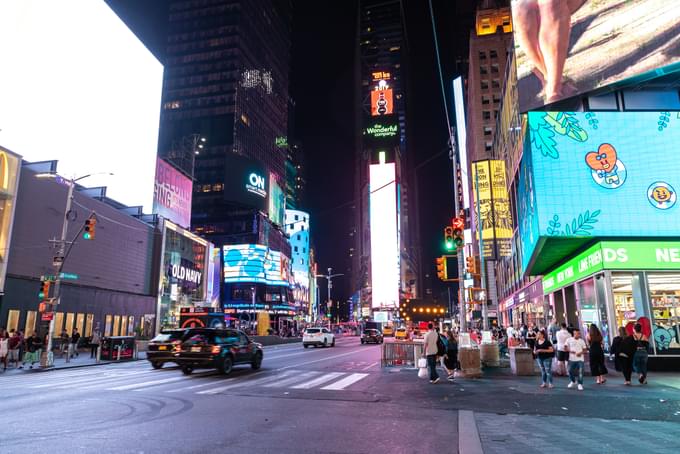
255	263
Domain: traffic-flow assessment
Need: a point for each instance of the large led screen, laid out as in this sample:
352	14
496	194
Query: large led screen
492	203
382	102
565	48
255	263
172	194
384	237
277	200
600	174
246	182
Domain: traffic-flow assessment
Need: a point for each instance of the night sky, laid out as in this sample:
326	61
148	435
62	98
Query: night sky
322	85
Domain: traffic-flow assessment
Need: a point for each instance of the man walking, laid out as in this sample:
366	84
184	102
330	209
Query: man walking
562	354
430	340
75	337
577	348
553	330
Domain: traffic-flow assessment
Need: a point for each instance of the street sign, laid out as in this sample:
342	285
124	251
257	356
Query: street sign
71	276
47	316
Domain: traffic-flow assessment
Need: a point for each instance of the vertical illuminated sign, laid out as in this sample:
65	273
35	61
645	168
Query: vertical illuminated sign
461	135
490	193
381	100
385	272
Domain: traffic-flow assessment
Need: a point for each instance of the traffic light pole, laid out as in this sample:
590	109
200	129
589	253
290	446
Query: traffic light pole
482	271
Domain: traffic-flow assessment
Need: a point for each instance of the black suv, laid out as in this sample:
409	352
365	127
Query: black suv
371	335
163	347
220	349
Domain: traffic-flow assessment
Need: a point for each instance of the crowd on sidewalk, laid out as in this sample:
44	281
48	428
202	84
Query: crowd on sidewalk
21	351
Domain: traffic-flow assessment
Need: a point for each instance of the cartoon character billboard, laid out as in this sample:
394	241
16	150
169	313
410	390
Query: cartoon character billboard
599	174
569	47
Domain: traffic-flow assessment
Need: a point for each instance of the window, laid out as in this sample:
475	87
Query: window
494	68
487	131
484	84
123	325
485	100
30	322
58	322
304	250
482	55
88	325
107	325
483	70
486	115
487	146
495	83
299	237
295	248
496	99
68	327
297	217
80	323
116	325
217	187
13	320
493	54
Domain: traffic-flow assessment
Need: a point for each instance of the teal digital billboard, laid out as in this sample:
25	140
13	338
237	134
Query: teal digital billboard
598	174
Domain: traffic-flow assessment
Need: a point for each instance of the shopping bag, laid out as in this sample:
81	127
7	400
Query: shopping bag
422	372
422	362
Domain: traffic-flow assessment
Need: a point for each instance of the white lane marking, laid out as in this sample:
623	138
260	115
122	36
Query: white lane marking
319	381
345	382
215	382
145	383
370	365
246	383
290	380
60	382
319	360
99	382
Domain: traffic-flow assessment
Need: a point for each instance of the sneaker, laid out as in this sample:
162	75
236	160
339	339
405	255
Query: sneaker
450	378
542	385
551	386
580	387
436	380
571	385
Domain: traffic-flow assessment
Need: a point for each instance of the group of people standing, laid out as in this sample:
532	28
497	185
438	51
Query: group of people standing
14	346
442	347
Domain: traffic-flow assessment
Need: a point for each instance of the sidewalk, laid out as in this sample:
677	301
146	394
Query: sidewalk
83	360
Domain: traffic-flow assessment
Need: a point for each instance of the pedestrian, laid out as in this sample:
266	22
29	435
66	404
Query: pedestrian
451	357
626	353
598	368
616	348
523	333
544	351
641	353
75	337
65	340
4	347
562	354
33	349
554	328
510	331
430	345
576	347
14	344
94	343
531	337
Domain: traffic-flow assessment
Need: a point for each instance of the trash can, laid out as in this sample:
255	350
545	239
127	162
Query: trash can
111	345
521	361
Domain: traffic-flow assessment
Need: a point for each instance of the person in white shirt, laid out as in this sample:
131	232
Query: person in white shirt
577	348
511	332
430	347
562	354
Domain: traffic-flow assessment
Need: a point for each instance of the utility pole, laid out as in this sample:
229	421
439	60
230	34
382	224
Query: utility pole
329	277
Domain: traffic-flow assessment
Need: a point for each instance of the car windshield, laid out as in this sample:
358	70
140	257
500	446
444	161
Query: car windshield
168	336
313	330
371	331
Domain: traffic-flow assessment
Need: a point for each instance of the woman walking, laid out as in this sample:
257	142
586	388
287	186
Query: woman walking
544	351
596	349
626	353
451	357
616	348
641	354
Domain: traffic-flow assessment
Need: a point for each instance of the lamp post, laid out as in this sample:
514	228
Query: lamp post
329	277
60	257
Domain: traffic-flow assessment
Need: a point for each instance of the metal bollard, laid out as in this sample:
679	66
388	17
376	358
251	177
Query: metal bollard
119	347
68	353
99	353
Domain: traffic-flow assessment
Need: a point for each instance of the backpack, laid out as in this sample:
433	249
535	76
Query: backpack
441	348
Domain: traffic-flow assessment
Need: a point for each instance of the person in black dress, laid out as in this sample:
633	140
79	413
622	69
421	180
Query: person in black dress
451	357
616	349
597	366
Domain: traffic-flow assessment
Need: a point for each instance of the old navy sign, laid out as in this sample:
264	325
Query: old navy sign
186	274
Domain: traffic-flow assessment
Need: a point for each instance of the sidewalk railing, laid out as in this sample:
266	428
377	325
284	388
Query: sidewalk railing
404	354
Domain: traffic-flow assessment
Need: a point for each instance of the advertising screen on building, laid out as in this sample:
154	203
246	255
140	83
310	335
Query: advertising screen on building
384	237
599	174
172	194
601	42
246	182
277	200
255	263
383	130
494	207
381	102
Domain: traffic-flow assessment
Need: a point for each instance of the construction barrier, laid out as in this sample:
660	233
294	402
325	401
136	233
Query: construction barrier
403	354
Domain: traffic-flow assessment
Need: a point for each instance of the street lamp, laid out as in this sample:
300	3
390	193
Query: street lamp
329	277
60	257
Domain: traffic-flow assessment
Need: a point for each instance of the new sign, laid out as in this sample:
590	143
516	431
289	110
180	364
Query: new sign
615	255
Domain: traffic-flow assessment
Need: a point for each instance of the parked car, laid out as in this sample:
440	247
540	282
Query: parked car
371	335
318	336
401	333
162	348
220	349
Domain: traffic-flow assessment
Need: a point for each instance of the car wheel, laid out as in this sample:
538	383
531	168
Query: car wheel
325	342
257	361
226	365
156	364
333	343
305	345
187	370
362	342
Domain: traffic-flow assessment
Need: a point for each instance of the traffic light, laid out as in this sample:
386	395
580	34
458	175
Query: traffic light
90	226
441	268
448	238
44	290
471	264
458	225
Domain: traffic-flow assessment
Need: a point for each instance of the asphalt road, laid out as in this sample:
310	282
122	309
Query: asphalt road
332	400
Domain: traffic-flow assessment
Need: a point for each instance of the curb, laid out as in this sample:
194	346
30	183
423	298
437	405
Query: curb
468	434
79	366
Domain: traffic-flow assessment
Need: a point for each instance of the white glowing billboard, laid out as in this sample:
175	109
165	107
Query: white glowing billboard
384	237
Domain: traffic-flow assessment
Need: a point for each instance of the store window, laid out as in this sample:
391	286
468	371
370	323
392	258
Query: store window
629	299
664	294
88	325
58	322
80	323
70	317
13	320
107	325
116	325
123	325
30	322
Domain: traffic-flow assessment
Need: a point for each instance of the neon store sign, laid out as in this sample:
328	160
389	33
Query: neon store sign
379	131
256	185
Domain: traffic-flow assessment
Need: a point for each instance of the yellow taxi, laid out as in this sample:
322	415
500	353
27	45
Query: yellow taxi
401	333
388	331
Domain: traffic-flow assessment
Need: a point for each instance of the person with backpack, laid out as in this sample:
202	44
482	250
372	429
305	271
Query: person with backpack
431	346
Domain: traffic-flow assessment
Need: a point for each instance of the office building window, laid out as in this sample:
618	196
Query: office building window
493	54
483	71
482	55
487	131
495	83
484	84
485	100
486	115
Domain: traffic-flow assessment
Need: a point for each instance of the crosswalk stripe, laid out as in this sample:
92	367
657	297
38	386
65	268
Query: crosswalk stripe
290	380
100	381
246	383
319	381
345	382
144	384
202	385
64	381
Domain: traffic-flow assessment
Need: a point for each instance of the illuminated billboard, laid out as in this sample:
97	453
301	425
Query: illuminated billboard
277	200
246	182
381	102
254	263
172	194
385	260
494	207
598	174
382	130
592	44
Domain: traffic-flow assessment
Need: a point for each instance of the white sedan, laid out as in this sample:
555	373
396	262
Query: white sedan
318	336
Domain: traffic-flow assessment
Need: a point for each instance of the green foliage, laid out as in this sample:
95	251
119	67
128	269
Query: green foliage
542	137
579	226
566	124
